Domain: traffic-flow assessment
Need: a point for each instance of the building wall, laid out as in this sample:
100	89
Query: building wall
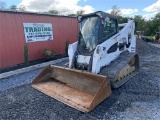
12	39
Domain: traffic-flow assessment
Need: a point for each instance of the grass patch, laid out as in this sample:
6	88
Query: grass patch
150	37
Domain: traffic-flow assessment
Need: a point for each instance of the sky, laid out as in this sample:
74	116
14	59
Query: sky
146	8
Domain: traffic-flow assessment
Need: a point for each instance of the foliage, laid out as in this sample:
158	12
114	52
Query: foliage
149	27
80	12
26	53
2	5
48	54
150	37
116	11
72	15
122	19
13	7
54	12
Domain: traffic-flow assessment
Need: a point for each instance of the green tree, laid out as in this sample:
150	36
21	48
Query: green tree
116	11
156	23
80	12
54	12
139	23
72	15
2	5
13	7
122	19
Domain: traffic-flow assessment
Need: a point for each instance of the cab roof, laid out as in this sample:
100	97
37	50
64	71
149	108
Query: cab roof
101	14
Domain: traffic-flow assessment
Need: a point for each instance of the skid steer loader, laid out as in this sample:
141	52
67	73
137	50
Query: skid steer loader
102	57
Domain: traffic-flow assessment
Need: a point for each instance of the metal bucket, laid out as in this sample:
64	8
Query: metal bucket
78	89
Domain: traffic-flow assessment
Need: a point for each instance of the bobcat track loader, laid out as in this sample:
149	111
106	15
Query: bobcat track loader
103	56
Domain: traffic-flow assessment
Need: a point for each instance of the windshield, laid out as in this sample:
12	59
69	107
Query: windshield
89	34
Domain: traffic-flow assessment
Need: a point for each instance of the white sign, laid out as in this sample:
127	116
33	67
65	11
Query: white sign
38	32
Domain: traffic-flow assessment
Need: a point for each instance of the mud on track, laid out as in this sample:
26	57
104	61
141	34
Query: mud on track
139	98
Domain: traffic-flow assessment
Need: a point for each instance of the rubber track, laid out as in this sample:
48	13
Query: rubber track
116	66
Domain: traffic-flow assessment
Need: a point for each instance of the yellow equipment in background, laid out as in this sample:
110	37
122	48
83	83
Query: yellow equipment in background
156	38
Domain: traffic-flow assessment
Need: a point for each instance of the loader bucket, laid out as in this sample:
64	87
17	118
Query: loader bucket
78	89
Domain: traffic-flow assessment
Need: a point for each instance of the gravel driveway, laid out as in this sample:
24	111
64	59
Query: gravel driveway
154	44
138	99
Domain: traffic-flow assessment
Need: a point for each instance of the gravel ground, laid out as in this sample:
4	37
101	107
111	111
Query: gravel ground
138	99
153	44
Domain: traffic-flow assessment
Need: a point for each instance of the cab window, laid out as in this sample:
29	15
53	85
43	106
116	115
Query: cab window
110	29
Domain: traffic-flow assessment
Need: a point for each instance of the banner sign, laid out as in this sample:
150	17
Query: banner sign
38	32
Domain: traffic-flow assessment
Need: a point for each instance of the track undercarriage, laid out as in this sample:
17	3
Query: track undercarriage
122	69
